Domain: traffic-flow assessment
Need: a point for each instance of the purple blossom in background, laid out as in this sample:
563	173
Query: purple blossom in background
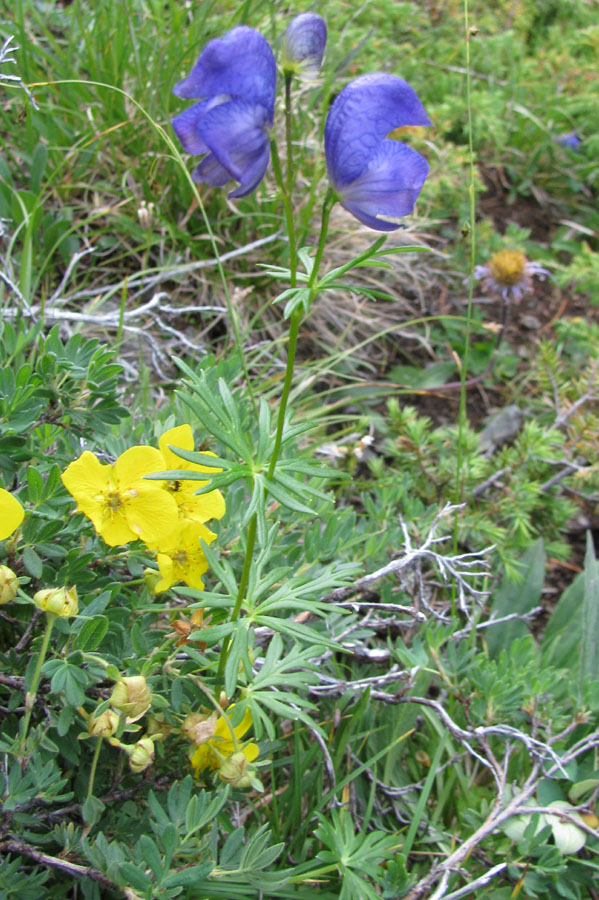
570	140
235	81
375	176
303	45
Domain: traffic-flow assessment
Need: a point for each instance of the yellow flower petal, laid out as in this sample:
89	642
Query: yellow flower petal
122	505
182	559
251	751
151	514
181	436
205	757
114	529
167	572
245	724
200	507
134	463
206	506
88	480
11	514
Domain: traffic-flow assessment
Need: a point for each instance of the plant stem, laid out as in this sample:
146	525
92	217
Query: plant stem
462	414
243	581
92	771
296	318
290	180
32	692
119	333
288	211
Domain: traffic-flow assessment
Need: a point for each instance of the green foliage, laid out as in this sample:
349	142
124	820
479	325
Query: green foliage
380	730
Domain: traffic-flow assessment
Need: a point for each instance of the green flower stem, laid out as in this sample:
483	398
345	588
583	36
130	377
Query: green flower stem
243	582
296	318
330	199
92	771
290	181
288	210
32	692
462	414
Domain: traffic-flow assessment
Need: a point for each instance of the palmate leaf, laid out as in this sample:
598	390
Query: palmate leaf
355	854
280	685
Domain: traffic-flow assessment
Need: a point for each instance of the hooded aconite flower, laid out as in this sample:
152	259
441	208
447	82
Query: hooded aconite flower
234	78
303	45
570	140
11	514
212	753
181	558
509	274
372	175
197	507
122	505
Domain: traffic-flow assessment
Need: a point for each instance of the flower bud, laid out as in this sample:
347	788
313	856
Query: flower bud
198	728
234	771
58	601
104	725
9	584
157	727
132	696
151	579
141	756
303	45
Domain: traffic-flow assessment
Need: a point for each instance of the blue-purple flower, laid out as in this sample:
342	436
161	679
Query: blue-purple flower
303	45
234	79
373	175
570	140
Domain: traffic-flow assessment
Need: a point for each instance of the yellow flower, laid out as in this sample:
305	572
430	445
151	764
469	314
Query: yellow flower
183	558
121	504
58	601
11	514
199	507
211	754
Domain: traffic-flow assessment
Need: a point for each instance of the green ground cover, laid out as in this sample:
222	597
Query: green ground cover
362	661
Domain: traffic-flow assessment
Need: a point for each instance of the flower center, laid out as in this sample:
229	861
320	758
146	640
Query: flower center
113	501
508	266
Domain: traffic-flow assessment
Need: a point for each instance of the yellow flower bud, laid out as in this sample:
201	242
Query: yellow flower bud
223	700
151	578
131	695
234	771
9	585
157	727
198	728
142	755
103	725
58	601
